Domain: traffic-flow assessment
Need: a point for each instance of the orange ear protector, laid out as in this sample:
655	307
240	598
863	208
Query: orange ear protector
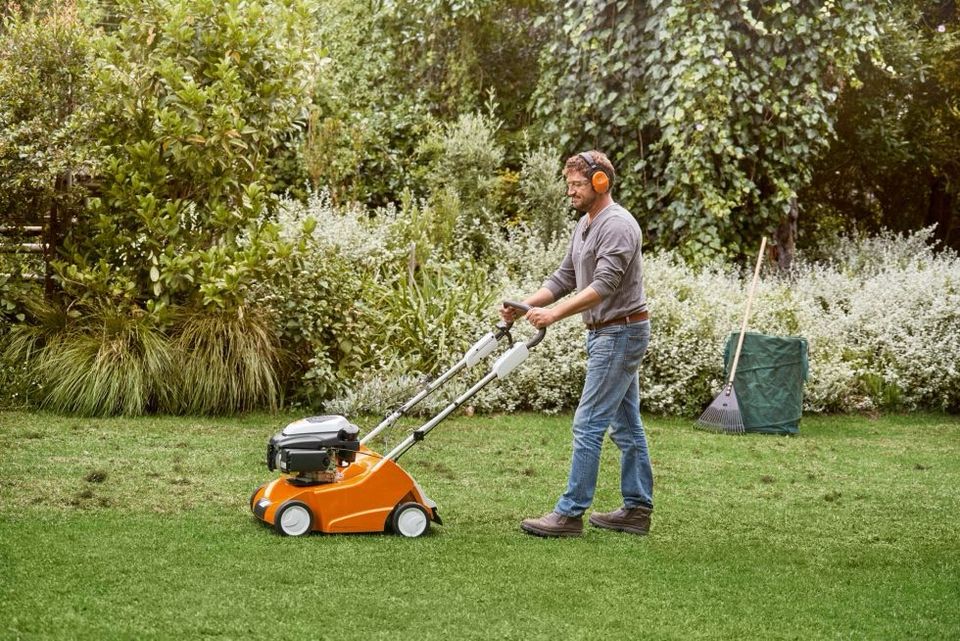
599	179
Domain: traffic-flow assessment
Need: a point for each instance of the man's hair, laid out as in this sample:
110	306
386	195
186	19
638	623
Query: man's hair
579	164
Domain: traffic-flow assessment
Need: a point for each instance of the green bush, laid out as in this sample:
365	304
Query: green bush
315	298
423	314
352	300
96	362
544	195
225	363
196	101
47	152
461	167
880	322
102	361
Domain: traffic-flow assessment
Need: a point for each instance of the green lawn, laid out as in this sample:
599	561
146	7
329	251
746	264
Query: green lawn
139	529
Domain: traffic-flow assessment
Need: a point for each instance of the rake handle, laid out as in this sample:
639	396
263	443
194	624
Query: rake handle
746	315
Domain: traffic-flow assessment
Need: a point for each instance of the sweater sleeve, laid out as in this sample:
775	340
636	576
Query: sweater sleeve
564	280
617	247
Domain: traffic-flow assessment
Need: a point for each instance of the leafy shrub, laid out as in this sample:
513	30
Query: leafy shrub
197	103
351	299
17	380
316	296
880	322
102	361
47	152
544	196
423	313
462	162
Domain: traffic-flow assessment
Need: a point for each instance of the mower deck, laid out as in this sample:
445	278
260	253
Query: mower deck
366	497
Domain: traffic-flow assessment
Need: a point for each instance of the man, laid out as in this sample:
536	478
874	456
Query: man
605	267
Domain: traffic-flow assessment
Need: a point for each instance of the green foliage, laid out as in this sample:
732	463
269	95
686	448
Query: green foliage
102	361
225	363
17	378
98	363
544	195
714	113
452	54
391	69
894	164
365	121
425	316
353	299
46	148
197	99
461	169
317	298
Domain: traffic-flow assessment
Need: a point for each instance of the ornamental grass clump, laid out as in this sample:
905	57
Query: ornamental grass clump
226	362
99	362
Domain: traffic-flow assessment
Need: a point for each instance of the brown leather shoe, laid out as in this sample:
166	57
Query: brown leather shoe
633	520
553	524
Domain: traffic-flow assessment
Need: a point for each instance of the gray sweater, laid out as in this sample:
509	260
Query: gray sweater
604	255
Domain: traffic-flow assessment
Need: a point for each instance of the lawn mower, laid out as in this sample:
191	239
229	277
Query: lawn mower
332	482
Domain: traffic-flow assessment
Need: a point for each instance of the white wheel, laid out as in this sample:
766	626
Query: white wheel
293	519
411	520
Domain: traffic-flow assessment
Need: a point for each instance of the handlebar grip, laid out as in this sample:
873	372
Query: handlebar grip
521	306
526	308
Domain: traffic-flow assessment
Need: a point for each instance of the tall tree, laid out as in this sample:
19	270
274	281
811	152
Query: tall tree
895	163
714	111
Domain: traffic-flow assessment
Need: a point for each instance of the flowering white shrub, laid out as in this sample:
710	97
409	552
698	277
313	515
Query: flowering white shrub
880	319
351	232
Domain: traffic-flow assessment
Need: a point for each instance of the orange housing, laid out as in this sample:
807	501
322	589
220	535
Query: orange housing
364	498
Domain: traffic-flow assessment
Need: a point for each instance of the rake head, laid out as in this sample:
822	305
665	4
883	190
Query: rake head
723	414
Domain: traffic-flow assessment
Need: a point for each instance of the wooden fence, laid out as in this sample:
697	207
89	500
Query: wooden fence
29	239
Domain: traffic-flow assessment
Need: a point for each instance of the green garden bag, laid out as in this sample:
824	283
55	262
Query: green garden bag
769	381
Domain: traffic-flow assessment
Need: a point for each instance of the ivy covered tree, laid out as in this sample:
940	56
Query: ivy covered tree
714	111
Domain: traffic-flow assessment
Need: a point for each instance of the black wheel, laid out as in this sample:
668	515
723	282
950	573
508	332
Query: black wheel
293	518
410	520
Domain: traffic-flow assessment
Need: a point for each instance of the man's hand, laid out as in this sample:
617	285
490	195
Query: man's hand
508	314
541	317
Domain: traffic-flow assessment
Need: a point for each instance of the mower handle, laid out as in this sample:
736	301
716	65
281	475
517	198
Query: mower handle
523	308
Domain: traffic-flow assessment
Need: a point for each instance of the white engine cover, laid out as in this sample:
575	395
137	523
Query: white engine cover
321	425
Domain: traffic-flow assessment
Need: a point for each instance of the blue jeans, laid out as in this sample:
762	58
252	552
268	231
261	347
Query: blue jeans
610	398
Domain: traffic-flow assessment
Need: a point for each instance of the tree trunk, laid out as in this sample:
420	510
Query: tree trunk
786	238
940	213
52	230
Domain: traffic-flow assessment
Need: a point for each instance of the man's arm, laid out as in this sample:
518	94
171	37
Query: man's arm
543	317
542	296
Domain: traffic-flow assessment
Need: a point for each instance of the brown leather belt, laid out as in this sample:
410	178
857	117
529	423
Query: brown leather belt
632	318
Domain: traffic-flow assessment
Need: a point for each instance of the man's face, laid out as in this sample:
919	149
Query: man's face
580	191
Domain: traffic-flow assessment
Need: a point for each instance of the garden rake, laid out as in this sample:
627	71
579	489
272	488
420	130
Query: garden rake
723	414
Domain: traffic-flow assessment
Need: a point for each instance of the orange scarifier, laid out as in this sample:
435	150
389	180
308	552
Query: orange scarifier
332	482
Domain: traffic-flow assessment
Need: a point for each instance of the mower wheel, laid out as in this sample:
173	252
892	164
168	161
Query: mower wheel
410	520
293	518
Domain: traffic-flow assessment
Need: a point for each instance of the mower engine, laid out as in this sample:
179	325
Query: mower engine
313	448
